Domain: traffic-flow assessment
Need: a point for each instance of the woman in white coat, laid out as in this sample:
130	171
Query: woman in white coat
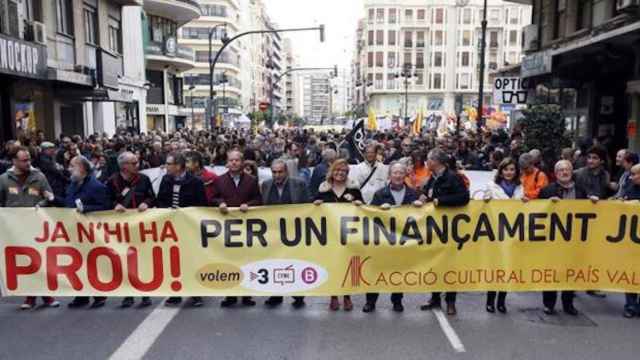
505	186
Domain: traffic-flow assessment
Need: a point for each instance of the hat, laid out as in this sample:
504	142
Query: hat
47	145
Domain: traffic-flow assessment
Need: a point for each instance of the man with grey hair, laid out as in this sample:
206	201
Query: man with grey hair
320	171
444	188
129	189
396	193
86	194
280	190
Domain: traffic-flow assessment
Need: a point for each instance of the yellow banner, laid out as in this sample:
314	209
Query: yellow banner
331	249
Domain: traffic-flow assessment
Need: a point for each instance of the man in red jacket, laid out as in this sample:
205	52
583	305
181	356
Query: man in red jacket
196	167
236	189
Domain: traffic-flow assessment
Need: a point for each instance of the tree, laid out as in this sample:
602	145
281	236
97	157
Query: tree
544	128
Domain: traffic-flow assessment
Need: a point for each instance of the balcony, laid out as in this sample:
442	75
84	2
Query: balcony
128	2
159	55
181	11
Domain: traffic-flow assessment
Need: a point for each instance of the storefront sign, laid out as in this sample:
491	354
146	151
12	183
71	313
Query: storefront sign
536	64
21	58
155	110
510	90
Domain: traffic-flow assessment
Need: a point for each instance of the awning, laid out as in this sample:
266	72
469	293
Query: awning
97	95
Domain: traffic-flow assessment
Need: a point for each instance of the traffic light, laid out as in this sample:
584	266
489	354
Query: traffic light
322	33
335	70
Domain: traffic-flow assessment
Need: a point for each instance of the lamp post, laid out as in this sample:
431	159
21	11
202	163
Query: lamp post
483	46
226	41
212	31
193	119
365	84
407	74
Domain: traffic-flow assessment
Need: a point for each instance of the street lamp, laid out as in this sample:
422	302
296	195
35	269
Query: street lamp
224	38
407	74
191	88
226	41
364	83
483	46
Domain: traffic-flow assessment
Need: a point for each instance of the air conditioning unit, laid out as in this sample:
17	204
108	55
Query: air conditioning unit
39	32
627	5
35	31
530	33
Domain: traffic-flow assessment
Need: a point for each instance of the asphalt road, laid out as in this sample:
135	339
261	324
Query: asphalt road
600	332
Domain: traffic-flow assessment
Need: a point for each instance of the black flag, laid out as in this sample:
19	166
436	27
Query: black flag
356	139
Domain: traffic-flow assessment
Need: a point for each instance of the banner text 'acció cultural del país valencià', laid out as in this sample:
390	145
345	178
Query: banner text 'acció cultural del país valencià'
330	249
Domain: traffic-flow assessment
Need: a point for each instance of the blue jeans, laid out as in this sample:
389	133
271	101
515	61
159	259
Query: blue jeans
632	302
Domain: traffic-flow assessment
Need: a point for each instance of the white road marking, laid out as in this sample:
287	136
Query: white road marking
454	340
143	337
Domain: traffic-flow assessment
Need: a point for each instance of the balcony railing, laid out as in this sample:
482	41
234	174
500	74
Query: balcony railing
182	52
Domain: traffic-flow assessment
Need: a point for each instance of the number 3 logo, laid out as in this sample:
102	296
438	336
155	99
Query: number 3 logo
264	276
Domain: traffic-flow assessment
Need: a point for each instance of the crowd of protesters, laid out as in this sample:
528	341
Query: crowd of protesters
396	168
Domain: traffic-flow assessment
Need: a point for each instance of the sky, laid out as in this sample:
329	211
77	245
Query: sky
340	18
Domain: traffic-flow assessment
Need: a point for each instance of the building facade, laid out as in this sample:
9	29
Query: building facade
62	65
436	44
316	95
585	56
218	17
166	61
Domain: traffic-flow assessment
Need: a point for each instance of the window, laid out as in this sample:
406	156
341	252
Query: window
115	36
391	37
214	10
407	58
65	17
466	16
420	78
438	38
438	16
421	15
420	39
370	42
513	38
408	39
494	16
370	59
372	13
438	60
559	19
380	15
90	20
420	60
463	81
408	15
514	17
379	80
466	38
437	81
465	58
392	16
380	37
493	39
379	59
583	15
391	81
391	60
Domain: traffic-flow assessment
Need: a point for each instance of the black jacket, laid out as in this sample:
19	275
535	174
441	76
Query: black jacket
131	194
555	189
384	196
192	192
58	178
449	189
